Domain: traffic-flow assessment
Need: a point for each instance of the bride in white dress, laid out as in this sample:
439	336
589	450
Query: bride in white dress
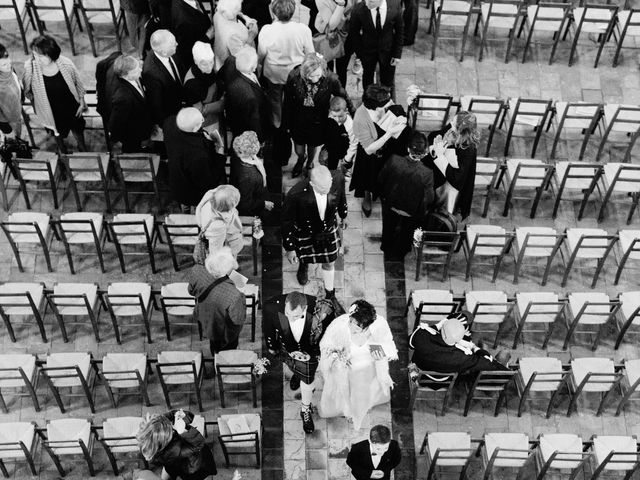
355	353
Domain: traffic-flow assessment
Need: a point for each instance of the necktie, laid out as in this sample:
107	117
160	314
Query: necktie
140	87
174	71
378	20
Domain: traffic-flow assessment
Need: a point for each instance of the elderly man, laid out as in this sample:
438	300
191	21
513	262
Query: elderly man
201	88
220	306
194	165
310	224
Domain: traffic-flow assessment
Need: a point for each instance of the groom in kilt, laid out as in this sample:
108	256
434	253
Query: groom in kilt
310	229
293	326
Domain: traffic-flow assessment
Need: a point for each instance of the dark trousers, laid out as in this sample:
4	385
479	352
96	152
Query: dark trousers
228	341
341	65
387	73
397	233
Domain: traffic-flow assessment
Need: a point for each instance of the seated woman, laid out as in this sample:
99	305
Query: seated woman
217	216
355	353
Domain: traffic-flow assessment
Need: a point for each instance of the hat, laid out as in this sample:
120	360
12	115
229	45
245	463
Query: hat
452	331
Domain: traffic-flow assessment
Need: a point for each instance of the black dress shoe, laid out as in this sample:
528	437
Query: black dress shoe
307	421
302	275
366	206
294	383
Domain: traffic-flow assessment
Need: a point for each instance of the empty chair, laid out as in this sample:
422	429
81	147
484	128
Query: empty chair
621	179
488	111
579	177
486	386
450	13
629	383
176	301
430	306
76	300
133	230
528	116
56	11
537	308
490	241
43	167
560	451
593	374
436	245
423	382
526	174
89	168
447	451
628	25
93	119
574	119
18	443
504	450
235	368
100	12
252	302
119	437
535	242
587	244
23	300
488	307
430	111
629	249
621	124
589	309
627	315
547	17
125	374
79	228
181	232
487	174
71	370
180	368
28	228
500	14
70	437
614	453
250	240
240	435
126	300
139	169
539	374
19	11
593	19
18	374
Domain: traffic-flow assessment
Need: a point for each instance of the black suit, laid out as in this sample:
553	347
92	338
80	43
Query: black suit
130	121
278	333
162	10
106	81
359	460
164	93
246	106
373	47
189	26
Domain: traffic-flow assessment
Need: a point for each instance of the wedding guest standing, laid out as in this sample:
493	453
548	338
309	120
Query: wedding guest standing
189	24
10	96
375	457
218	217
333	16
233	30
339	140
201	87
136	13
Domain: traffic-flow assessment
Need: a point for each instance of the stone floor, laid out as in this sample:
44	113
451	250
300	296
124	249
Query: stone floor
362	272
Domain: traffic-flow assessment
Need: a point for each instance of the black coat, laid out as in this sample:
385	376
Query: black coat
189	26
194	165
130	121
162	10
246	106
164	94
249	182
368	44
106	82
406	185
139	7
258	10
277	331
359	460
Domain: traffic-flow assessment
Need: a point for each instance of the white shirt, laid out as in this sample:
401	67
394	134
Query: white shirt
321	200
137	86
282	46
383	13
297	327
353	141
375	459
252	77
167	61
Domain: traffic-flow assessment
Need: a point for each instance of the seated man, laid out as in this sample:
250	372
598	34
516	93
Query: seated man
446	347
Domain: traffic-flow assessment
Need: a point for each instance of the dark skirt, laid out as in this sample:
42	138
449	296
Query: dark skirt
63	105
309	250
307	126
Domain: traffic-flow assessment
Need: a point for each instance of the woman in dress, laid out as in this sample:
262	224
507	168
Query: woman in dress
355	352
53	84
10	97
233	30
307	96
217	216
454	151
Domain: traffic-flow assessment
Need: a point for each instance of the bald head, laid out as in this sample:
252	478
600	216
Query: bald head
189	119
163	43
320	179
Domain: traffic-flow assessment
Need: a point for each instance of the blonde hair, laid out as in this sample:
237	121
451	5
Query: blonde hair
155	434
312	62
225	198
467	134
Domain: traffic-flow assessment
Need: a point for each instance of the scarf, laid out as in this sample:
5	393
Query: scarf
310	91
256	162
10	97
200	86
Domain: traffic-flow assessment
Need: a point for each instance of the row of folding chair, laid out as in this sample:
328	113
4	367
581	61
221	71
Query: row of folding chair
530	118
581	313
80	304
551	455
74	439
132	234
551	20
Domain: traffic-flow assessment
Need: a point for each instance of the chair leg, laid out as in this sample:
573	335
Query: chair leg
70	31
120	255
199	397
110	394
523	398
536	202
56	460
597	273
221	388
47	257
87	457
552	401
435	42
467	403
16	253
254	251
547	336
465	35
574	46
63	328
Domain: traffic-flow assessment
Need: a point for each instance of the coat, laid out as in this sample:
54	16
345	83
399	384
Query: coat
367	43
106	82
277	331
164	94
220	228
189	26
406	185
359	460
247	107
253	192
130	121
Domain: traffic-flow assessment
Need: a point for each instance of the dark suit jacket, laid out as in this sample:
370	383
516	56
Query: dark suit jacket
246	106
189	26
139	7
162	10
130	121
359	460
164	94
278	332
406	185
248	180
368	44
106	82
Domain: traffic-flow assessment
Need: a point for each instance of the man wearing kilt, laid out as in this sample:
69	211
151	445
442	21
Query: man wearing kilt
310	224
293	327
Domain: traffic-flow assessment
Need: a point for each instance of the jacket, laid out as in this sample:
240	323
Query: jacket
253	192
106	82
129	121
246	106
359	460
164	94
406	185
189	26
368	44
277	331
221	228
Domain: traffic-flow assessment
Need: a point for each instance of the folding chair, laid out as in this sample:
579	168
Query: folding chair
539	374
68	437
450	13
501	14
78	229
621	125
436	245
133	230
526	114
488	307
574	117
7	180
430	306
240	435
18	373
25	300
99	12
526	174
431	111
180	368
627	315
235	368
536	242
119	437
250	240
56	11
575	176
548	17
629	246
25	228
430	382
560	451
487	173
589	308
89	168
125	374
181	232
447	451
176	301
504	450
18	442
595	19
629	383
75	300
126	300
43	167
71	370
486	241
629	21
587	243
614	454
252	301
19	11
94	121
593	374
138	168
486	385
488	110
621	178
537	307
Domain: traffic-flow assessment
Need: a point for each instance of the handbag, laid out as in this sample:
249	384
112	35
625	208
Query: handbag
330	43
201	247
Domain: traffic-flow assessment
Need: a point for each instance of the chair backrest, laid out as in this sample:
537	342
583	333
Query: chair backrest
530	173
27	227
181	229
132	228
541	374
561	451
434	306
78	230
626	177
537	241
44	6
128	299
119	434
124	370
33	167
487	171
579	175
615	452
452	8
175	299
449	449
17	440
21	298
493	381
539	306
432	109
69	436
502	10
179	367
592	307
439	243
488	306
96	6
594	374
488	110
532	111
73	299
86	166
626	118
16	370
549	15
486	243
137	167
629	19
594	16
578	115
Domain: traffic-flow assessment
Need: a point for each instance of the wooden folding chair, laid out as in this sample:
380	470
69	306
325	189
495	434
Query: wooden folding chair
486	385
622	179
574	117
537	307
526	114
576	177
19	374
539	374
79	301
536	242
589	309
450	13
501	14
594	19
486	241
590	375
549	17
504	450
427	382
488	112
587	243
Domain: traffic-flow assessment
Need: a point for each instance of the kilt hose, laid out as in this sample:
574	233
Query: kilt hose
310	250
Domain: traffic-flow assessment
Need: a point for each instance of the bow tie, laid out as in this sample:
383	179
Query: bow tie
374	454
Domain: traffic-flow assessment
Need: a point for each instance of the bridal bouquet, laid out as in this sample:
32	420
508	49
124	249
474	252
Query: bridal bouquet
417	237
338	357
412	92
260	366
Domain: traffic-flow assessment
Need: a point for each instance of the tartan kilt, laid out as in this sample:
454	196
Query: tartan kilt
305	371
308	251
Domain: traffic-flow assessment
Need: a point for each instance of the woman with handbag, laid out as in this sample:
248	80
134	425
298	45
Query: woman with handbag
331	40
218	219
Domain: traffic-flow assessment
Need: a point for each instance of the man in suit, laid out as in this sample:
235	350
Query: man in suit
189	24
293	326
106	82
376	457
246	103
376	30
130	122
310	226
161	77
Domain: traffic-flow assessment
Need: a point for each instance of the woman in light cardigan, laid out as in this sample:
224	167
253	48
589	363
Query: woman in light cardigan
217	216
52	82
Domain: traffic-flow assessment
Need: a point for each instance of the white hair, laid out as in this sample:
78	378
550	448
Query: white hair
220	262
188	118
246	59
160	38
202	52
226	6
